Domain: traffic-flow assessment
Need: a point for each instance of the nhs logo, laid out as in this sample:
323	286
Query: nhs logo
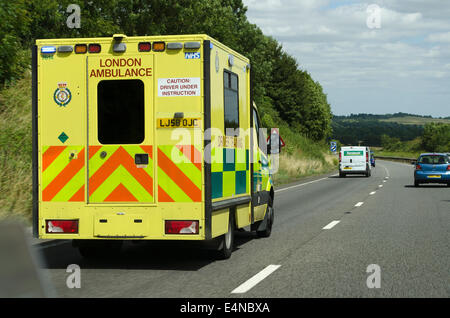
192	55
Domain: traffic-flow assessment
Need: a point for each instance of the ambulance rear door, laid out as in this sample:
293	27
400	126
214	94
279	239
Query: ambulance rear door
120	128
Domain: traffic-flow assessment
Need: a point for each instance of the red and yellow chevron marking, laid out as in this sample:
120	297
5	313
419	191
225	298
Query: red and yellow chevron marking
63	177
116	178
179	174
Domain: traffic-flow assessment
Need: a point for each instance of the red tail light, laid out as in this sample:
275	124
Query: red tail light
181	227
418	167
62	226
144	47
94	48
448	168
367	156
340	156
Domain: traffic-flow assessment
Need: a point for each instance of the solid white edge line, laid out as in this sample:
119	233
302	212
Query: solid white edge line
306	183
330	225
359	203
250	283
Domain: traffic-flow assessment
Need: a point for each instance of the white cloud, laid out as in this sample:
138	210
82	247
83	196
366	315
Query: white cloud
408	55
439	37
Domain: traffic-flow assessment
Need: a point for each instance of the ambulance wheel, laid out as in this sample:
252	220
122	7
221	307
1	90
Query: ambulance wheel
270	217
98	249
227	240
341	175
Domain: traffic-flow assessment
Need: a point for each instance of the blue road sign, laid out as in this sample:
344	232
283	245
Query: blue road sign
333	146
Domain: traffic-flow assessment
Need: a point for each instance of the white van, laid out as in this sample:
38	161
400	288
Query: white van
354	160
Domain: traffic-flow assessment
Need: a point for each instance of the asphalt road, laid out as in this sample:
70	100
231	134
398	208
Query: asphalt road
327	232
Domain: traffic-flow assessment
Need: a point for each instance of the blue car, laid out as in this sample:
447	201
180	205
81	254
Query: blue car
432	168
372	159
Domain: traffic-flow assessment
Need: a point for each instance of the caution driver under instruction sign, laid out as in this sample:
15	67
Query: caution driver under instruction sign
179	87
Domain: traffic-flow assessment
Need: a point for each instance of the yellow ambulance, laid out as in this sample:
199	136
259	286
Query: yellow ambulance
147	138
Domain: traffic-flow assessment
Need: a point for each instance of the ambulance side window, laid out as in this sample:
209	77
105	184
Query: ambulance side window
120	109
256	124
231	103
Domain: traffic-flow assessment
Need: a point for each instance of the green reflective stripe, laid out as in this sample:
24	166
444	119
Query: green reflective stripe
354	153
58	165
229	159
217	182
241	182
171	188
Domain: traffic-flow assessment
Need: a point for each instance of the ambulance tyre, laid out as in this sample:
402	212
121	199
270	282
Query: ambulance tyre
93	249
270	217
341	174
226	244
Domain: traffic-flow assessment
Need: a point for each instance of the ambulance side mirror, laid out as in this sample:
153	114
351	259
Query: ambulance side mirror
274	144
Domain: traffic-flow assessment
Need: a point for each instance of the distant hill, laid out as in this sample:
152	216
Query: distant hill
368	128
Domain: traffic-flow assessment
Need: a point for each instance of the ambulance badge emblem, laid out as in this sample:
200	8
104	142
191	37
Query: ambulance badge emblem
62	95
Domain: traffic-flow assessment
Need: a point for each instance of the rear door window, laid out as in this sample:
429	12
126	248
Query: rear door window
433	159
121	115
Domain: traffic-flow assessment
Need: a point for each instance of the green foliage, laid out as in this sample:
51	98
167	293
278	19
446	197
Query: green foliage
352	130
15	149
436	137
14	24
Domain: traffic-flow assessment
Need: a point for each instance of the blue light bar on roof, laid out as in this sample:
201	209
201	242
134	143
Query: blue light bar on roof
48	49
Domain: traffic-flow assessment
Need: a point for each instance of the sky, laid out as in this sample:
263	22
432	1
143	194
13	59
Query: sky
380	56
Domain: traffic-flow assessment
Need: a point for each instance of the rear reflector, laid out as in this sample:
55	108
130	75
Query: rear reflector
62	226
80	48
159	46
94	48
181	227
144	47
